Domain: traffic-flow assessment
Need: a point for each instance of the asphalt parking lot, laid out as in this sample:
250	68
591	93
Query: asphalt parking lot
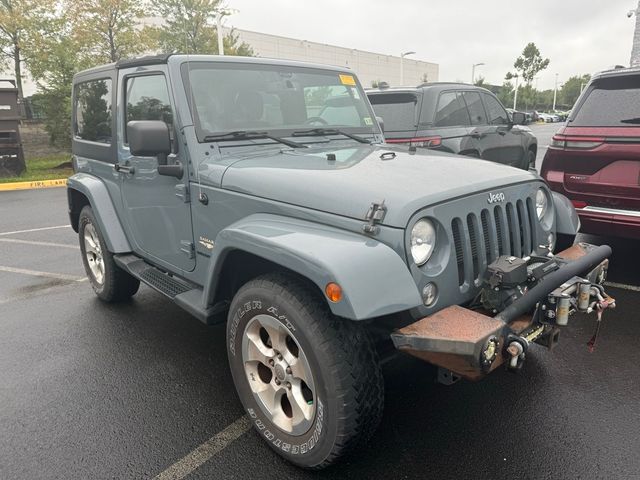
92	391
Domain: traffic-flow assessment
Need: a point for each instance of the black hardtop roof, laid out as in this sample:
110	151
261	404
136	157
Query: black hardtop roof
166	58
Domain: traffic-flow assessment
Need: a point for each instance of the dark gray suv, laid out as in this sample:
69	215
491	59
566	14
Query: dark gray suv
455	118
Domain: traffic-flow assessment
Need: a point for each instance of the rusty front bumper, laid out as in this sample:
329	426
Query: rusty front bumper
472	344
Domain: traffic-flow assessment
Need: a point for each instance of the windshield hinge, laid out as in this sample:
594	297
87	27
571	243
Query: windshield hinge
375	215
187	247
182	192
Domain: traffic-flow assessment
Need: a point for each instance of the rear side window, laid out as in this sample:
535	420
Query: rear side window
495	111
476	110
398	110
93	115
451	111
613	102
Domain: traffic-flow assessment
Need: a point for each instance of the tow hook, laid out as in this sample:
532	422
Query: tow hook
517	349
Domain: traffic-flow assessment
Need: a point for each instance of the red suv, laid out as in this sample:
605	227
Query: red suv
595	158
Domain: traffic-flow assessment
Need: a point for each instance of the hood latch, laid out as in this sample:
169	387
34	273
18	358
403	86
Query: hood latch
375	215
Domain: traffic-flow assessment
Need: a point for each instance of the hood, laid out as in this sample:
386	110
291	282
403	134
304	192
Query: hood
362	175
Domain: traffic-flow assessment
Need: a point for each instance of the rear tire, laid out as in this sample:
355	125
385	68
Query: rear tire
277	324
110	282
531	159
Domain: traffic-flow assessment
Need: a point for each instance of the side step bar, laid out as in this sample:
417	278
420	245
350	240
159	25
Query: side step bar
184	294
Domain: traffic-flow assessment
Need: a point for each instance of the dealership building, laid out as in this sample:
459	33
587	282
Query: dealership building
369	66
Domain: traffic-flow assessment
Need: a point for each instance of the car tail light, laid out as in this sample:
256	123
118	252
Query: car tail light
579	203
567	142
434	141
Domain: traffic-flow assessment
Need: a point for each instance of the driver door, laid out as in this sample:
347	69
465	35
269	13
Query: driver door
156	208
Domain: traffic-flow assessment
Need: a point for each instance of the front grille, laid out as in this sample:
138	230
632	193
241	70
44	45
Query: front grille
501	230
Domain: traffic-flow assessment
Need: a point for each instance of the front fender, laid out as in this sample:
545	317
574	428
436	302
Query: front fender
373	277
567	220
98	196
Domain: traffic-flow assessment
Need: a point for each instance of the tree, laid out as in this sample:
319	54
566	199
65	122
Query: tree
480	81
530	63
572	88
19	20
108	30
506	94
189	28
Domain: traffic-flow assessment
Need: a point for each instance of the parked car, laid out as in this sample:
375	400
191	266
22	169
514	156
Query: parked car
259	193
454	118
595	158
545	117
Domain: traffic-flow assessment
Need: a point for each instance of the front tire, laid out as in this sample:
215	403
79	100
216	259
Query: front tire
310	382
109	282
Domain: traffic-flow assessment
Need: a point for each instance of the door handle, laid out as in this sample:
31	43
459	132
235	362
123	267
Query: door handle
128	169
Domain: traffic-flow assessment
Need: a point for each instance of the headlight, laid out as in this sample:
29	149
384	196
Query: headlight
542	203
423	240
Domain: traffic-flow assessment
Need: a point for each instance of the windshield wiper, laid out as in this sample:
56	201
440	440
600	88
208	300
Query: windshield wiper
249	135
631	120
329	131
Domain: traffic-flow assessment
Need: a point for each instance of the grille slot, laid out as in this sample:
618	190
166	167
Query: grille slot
509	229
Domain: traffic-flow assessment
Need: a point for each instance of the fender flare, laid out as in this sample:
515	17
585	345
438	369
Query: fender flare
374	278
98	196
567	220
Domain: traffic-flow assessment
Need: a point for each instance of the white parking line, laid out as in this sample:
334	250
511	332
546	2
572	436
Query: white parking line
34	230
36	273
204	452
44	244
624	286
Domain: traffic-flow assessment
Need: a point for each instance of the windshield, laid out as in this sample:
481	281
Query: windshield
613	102
398	110
238	97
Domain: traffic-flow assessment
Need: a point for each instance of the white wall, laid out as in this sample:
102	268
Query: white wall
368	66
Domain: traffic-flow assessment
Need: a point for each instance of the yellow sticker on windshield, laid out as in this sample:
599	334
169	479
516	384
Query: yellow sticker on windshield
368	121
347	80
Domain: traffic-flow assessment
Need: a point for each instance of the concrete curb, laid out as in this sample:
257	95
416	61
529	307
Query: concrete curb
35	184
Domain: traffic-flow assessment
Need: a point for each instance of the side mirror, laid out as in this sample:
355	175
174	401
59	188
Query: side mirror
518	118
380	121
149	138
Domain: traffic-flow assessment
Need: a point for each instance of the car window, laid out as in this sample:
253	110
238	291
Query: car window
398	110
255	96
93	116
333	104
476	110
495	111
451	111
148	99
613	102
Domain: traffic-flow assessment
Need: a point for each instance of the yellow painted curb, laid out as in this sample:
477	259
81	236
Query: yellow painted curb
35	184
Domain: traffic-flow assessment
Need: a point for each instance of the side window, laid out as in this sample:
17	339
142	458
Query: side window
476	110
495	111
148	99
451	111
92	104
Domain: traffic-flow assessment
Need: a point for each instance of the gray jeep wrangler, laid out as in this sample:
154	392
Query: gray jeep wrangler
260	193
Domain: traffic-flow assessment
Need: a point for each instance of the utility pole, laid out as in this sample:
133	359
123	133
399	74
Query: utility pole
515	96
219	29
555	93
402	55
635	49
473	72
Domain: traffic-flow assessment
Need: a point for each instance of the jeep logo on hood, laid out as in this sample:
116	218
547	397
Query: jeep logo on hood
495	197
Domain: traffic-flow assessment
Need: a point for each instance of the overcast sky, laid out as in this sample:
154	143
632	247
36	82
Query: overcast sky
578	36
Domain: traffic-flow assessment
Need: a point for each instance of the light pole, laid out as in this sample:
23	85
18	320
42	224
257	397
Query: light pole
402	55
473	71
635	49
515	95
555	93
